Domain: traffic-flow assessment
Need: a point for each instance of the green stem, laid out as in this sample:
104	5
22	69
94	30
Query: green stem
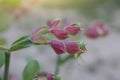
7	62
57	69
67	58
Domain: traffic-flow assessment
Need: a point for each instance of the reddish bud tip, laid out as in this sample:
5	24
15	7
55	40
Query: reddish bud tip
58	46
105	32
50	77
72	30
36	31
72	47
54	24
100	25
60	34
101	30
92	33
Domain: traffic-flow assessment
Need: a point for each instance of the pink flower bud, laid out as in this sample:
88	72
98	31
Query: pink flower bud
40	31
100	25
105	32
50	77
54	24
60	34
39	39
101	29
73	30
92	33
72	47
58	47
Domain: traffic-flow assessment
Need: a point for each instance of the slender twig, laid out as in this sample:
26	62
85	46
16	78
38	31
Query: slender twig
57	69
67	58
7	62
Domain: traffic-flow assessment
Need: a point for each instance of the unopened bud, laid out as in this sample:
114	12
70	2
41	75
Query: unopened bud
72	47
60	34
39	39
58	46
72	30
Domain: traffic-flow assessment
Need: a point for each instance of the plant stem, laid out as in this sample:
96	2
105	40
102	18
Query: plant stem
57	69
7	62
67	58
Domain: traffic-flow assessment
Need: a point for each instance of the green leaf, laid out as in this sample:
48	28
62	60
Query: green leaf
30	70
21	43
57	77
2	58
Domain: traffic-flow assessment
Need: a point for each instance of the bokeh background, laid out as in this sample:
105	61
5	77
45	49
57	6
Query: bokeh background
102	60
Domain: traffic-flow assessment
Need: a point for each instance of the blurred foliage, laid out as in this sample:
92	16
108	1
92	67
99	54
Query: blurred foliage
78	4
0	76
71	3
2	58
2	41
95	9
5	20
11	3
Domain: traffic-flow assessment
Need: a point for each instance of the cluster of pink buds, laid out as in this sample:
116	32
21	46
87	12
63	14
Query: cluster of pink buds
48	76
60	47
65	32
96	31
60	32
69	47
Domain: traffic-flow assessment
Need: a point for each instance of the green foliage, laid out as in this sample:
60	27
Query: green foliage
11	3
0	76
21	43
2	58
57	77
2	41
5	20
78	4
31	69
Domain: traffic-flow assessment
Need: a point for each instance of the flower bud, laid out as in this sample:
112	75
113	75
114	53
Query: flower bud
101	29
50	77
105	32
72	47
60	34
92	33
72	30
58	47
40	31
100	25
53	25
39	39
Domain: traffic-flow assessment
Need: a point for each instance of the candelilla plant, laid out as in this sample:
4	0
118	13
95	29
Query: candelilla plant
60	44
